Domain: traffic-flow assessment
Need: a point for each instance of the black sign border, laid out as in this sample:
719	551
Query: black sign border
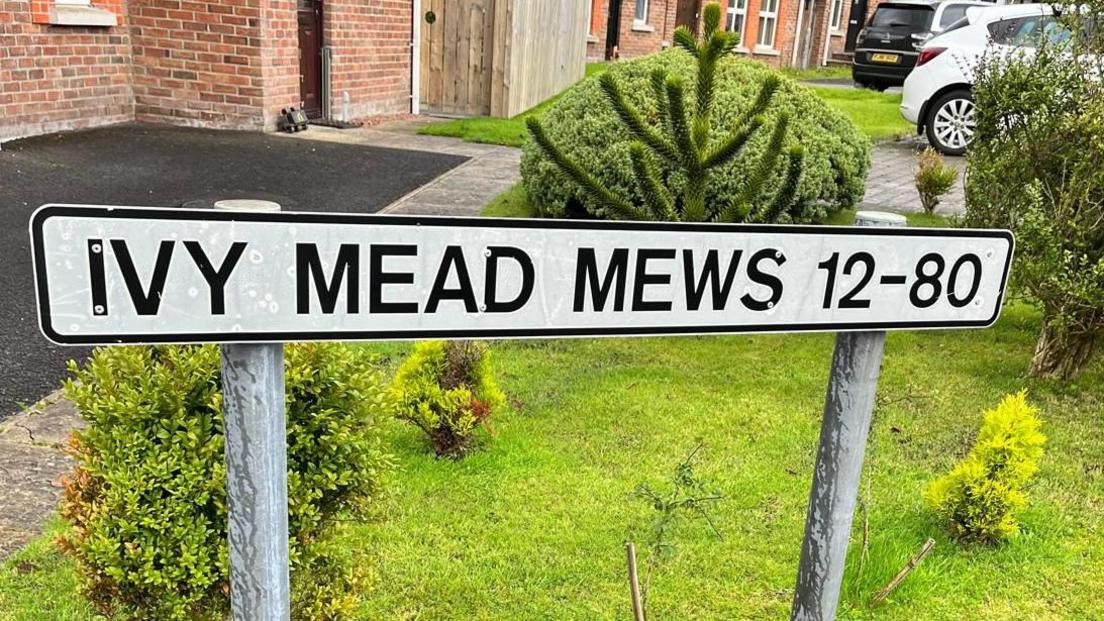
43	213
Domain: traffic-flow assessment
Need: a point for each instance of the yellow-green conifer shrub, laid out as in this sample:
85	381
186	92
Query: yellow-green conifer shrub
447	389
979	499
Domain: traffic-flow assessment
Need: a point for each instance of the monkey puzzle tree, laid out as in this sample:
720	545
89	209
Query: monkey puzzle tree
687	145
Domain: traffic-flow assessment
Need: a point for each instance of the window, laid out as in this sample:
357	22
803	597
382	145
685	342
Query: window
642	11
914	18
837	15
71	13
737	15
1028	31
952	14
768	22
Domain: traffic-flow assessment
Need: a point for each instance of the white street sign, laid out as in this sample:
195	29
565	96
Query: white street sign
147	275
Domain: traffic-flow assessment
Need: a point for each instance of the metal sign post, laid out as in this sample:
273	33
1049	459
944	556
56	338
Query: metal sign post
848	407
256	470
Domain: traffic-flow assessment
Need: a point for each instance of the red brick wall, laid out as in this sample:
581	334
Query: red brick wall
198	62
371	54
786	34
636	40
55	78
279	57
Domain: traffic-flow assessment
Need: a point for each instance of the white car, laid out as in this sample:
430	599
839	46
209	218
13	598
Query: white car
937	94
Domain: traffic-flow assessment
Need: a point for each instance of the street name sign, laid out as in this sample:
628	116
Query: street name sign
148	275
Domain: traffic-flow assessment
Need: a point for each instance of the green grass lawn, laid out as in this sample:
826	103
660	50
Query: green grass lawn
532	526
874	113
492	130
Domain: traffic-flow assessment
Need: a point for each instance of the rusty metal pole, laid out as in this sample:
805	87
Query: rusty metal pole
256	470
848	408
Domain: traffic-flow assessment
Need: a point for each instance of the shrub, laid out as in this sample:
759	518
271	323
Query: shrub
978	500
685	141
147	499
446	389
933	178
584	127
1036	166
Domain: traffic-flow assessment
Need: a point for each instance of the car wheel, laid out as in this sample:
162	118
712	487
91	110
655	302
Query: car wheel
951	122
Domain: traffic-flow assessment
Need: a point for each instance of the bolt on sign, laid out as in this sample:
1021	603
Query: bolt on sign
145	275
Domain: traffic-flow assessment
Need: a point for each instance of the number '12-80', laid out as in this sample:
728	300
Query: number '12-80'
927	286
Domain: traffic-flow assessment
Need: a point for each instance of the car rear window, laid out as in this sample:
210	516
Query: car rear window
913	18
952	14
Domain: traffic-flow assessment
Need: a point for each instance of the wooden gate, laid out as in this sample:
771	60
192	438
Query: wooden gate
456	56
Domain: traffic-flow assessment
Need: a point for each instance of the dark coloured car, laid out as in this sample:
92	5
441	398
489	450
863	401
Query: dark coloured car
886	49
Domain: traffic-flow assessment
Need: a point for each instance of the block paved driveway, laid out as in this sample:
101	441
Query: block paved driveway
168	167
890	184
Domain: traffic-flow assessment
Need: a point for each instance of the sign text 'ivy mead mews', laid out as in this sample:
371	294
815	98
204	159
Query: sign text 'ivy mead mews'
147	275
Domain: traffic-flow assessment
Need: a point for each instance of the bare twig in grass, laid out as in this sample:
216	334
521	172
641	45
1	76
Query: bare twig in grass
905	571
634	583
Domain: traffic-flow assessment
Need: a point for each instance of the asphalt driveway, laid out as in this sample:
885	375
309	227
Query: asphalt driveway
168	167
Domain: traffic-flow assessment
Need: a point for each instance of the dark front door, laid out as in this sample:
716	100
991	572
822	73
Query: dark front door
310	57
855	24
686	14
613	29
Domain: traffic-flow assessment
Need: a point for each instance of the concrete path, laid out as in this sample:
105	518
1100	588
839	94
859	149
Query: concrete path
32	458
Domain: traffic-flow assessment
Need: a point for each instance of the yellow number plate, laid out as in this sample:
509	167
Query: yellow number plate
884	58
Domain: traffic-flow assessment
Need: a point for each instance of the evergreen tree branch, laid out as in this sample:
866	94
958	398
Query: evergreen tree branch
658	79
685	39
603	197
687	150
711	20
741	206
763	99
656	197
693	199
634	122
732	146
699	131
785	199
767	163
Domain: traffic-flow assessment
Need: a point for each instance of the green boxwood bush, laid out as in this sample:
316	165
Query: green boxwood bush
978	499
147	499
1036	166
447	389
582	124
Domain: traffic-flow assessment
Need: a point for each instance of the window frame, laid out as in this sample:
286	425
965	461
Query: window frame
731	12
637	11
835	18
768	16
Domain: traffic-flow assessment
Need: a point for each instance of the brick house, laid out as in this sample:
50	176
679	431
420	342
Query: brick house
801	33
70	64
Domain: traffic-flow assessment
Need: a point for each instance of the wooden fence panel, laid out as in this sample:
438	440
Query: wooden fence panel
500	57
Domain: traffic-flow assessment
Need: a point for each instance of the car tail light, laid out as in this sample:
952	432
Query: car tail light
929	53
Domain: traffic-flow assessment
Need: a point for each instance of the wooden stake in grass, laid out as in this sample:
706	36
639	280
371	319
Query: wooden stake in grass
905	571
634	583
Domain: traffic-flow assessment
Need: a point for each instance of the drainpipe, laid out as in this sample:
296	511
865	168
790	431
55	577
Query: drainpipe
828	33
415	57
797	32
